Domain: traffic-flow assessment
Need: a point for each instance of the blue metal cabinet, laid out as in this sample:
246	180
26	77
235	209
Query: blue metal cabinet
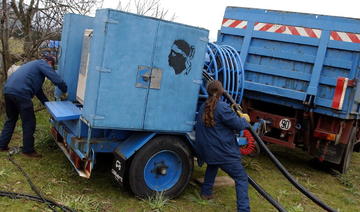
121	42
131	83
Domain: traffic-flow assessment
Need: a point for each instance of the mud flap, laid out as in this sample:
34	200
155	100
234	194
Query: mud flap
328	151
118	169
125	150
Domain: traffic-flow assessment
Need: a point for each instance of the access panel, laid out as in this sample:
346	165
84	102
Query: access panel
178	62
128	46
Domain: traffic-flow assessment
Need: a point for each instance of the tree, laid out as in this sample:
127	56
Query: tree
33	22
4	31
42	19
151	8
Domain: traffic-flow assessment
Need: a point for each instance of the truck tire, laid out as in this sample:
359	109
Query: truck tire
165	164
346	158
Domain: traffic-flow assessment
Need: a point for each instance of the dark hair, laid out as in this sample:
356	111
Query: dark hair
49	59
215	91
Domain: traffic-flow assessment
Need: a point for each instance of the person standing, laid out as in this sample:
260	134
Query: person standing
216	144
25	83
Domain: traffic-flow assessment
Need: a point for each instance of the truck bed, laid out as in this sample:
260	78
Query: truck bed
297	60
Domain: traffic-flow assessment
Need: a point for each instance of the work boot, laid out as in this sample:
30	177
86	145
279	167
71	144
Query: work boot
4	149
32	154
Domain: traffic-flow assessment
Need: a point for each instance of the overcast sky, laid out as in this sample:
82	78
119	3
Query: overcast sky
209	13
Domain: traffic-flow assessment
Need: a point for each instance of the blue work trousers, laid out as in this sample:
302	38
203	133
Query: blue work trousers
16	106
236	171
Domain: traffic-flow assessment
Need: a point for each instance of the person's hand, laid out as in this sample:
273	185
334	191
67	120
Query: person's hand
245	116
64	97
236	107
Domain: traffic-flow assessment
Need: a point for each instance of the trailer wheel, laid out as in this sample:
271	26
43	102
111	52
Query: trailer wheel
164	164
346	158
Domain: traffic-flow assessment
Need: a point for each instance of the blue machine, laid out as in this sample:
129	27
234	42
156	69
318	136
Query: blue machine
134	84
302	74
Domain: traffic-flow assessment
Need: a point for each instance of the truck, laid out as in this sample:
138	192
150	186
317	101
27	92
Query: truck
301	76
135	84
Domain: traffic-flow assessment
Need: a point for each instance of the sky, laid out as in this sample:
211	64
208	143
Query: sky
208	14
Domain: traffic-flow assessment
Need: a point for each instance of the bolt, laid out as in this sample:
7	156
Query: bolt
163	171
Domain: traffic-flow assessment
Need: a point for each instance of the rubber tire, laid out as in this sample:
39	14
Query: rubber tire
155	145
346	158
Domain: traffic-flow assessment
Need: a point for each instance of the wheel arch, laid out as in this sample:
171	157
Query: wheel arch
127	148
130	146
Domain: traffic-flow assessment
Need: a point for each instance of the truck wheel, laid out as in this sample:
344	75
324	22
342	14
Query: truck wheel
346	158
164	164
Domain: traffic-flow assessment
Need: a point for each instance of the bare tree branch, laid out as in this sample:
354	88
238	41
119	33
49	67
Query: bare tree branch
42	19
151	8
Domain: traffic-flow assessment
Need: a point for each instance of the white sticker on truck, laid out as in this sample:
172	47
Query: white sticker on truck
285	124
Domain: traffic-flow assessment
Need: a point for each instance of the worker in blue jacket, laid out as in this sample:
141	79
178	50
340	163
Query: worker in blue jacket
18	91
216	144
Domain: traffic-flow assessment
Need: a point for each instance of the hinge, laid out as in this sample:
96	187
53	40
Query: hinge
110	21
192	123
97	117
199	82
102	69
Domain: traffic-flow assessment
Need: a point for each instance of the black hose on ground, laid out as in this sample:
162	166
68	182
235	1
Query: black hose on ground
33	187
266	195
288	175
14	195
40	198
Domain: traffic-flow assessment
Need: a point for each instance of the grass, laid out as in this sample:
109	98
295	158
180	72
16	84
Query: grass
158	202
57	180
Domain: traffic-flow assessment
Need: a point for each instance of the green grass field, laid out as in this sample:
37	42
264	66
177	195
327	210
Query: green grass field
57	180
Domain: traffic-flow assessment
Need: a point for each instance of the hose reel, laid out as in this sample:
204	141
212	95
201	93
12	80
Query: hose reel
223	63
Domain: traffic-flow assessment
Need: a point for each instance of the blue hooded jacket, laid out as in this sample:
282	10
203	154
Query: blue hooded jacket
217	145
28	79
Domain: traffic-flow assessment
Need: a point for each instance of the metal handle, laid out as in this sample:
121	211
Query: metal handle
146	77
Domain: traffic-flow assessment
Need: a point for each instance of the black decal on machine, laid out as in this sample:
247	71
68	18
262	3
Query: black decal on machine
180	56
